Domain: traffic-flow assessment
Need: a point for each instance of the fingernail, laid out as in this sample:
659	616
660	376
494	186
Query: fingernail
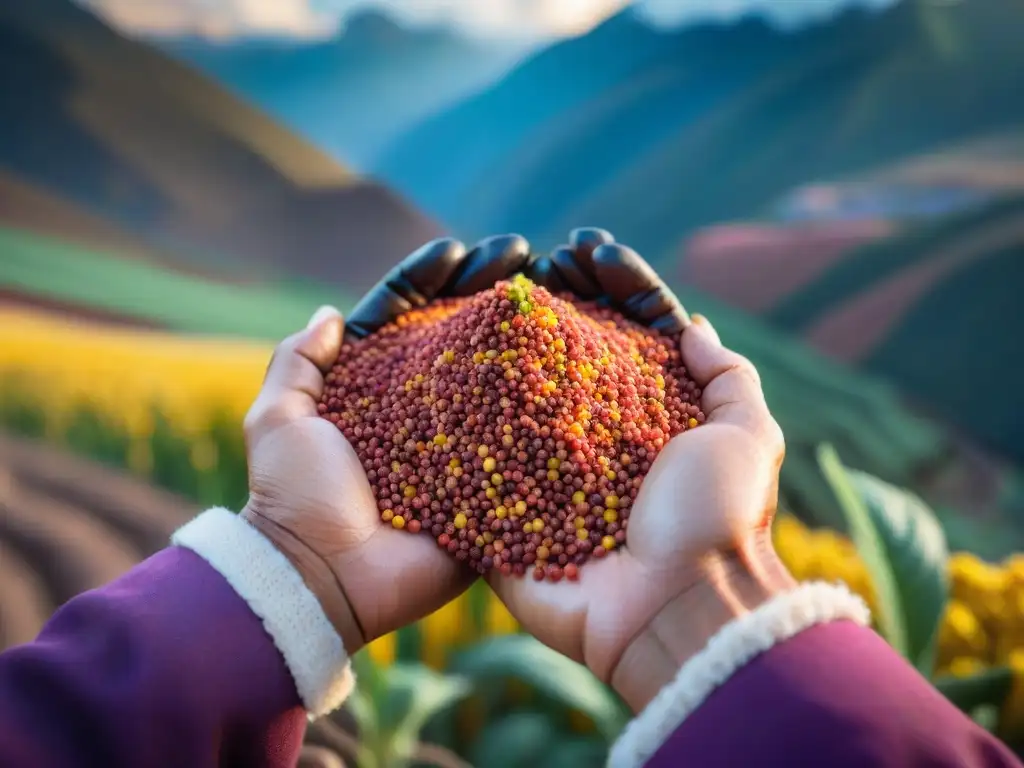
705	325
322	314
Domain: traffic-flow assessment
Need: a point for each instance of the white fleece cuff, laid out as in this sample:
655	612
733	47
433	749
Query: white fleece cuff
274	590
730	649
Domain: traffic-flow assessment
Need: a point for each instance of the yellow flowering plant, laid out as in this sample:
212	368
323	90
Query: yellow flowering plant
956	618
168	407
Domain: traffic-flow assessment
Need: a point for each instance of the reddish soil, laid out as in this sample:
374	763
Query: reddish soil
11	298
68	524
855	327
756	266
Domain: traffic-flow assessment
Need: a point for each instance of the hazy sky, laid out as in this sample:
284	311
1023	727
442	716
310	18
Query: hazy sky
518	18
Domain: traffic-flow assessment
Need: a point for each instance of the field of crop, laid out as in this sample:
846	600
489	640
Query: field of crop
54	270
168	408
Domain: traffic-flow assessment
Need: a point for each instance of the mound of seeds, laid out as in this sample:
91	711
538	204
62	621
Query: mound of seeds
514	426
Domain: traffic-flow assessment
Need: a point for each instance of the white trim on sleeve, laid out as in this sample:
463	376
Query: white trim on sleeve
274	590
735	644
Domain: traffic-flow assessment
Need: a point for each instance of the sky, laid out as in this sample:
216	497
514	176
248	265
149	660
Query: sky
498	18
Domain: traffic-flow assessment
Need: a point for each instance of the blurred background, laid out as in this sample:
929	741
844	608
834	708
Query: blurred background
838	185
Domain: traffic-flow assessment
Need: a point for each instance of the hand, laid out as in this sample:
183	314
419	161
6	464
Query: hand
308	492
698	550
594	266
441	268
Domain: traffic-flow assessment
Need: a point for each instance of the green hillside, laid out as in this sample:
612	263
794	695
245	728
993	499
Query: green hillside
653	133
881	260
952	348
127	135
816	400
56	271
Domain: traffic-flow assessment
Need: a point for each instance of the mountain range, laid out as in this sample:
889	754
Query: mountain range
354	93
912	274
654	132
102	134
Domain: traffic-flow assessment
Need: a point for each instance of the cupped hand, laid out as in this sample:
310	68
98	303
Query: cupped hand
707	502
592	266
308	491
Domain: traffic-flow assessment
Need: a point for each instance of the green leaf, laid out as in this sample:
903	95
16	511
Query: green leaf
904	549
361	706
409	643
479	597
524	658
426	693
517	739
870	547
919	556
987	716
365	701
968	693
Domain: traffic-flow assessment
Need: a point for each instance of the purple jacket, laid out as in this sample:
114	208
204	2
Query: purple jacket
190	659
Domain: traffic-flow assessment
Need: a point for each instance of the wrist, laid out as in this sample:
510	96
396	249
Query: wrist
316	575
729	585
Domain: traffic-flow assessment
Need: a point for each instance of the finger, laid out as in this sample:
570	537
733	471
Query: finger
543	272
493	259
294	382
575	277
585	240
431	268
731	386
634	287
414	282
564	604
430	577
575	261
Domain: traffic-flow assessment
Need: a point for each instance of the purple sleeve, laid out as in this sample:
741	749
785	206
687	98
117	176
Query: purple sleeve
834	695
166	666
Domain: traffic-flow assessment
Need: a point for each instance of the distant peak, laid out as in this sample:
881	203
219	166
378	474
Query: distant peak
373	23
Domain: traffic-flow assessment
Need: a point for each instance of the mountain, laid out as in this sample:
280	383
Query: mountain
116	132
654	132
352	94
923	293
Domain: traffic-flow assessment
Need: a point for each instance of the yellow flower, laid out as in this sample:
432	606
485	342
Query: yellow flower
981	585
1009	629
382	650
442	630
961	634
791	541
124	373
963	666
1014	567
497	619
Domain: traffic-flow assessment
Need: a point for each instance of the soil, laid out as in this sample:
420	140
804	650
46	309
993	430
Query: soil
68	524
10	298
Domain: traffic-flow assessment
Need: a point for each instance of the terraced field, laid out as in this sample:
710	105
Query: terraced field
50	273
910	303
68	525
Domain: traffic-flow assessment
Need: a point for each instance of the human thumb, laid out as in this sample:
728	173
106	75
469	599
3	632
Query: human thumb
294	381
322	339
